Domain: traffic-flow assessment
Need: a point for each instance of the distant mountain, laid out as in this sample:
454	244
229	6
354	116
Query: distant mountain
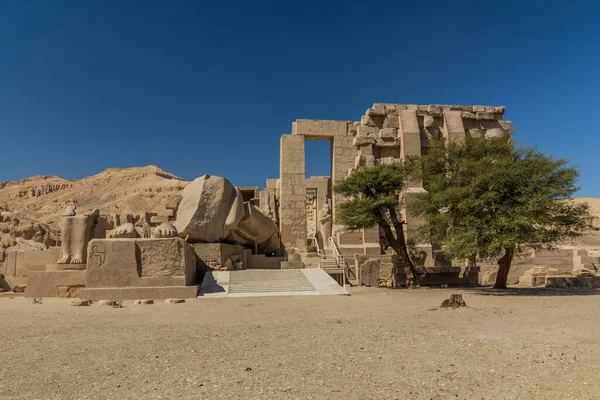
31	208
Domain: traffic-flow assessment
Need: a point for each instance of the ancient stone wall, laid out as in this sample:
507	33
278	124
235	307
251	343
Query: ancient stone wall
387	133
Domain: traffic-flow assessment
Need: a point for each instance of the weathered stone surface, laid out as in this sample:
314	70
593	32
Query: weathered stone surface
140	262
164	230
468	115
174	301
364	131
125	231
369	275
107	302
500	109
213	210
173	203
484	116
428	121
453	128
392	120
476	133
19	288
365	120
506	125
142	302
79	303
159	219
209	209
478	109
364	141
391	133
495	132
376	111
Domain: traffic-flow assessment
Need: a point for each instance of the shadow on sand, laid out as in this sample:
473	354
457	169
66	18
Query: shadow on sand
525	291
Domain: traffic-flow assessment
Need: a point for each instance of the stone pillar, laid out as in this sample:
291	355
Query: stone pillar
453	129
342	160
410	139
292	193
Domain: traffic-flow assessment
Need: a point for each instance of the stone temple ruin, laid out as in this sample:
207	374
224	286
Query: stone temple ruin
214	229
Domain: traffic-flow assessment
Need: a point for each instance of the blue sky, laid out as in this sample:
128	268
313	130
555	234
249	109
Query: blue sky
208	87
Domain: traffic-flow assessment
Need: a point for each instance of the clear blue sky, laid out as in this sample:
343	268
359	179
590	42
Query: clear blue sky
208	87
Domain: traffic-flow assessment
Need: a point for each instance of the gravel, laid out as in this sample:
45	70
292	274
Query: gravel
375	344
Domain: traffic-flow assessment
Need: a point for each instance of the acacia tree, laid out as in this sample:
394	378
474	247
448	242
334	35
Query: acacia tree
373	194
487	198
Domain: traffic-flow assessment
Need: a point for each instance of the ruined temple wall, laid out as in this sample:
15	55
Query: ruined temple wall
387	133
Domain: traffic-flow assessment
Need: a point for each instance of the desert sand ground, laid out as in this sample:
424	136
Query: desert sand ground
375	344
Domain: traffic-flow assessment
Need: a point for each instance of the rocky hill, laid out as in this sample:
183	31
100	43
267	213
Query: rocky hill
31	209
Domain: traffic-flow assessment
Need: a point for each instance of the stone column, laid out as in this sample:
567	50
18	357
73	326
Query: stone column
453	129
292	193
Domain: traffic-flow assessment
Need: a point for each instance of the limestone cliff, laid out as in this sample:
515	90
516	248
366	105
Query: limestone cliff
31	209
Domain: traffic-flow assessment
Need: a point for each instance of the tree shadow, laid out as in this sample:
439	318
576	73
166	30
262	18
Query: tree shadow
527	291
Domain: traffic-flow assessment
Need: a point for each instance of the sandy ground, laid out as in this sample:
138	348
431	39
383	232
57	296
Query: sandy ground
375	344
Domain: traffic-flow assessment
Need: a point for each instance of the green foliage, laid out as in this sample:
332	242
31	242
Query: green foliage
371	192
487	195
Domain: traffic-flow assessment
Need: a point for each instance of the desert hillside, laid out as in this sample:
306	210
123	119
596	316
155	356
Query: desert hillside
32	207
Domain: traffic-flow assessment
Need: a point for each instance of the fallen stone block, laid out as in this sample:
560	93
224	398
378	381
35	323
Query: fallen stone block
145	301
174	301
80	303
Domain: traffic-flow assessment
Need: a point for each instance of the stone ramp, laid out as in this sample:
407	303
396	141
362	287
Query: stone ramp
254	283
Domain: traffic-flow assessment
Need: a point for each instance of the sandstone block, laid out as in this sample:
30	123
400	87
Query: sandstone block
506	125
159	219
376	111
476	133
365	120
478	109
388	133
174	301
467	108
173	203
428	121
363	141
484	116
500	109
79	303
495	132
434	108
391	120
142	302
468	115
367	131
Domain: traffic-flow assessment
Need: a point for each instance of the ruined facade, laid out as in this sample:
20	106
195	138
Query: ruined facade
387	133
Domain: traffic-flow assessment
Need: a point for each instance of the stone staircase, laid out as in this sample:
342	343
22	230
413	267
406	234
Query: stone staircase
284	282
328	263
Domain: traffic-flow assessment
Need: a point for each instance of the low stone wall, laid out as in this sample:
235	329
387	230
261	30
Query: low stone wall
220	256
19	263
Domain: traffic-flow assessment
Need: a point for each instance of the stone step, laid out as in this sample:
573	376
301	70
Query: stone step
249	283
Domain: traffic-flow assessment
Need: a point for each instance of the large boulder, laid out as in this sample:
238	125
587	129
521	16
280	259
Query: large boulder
208	210
212	210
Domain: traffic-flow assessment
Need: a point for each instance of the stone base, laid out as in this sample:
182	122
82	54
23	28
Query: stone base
587	282
134	293
54	283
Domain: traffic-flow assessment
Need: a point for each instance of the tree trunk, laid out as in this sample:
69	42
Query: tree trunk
410	272
503	269
399	246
